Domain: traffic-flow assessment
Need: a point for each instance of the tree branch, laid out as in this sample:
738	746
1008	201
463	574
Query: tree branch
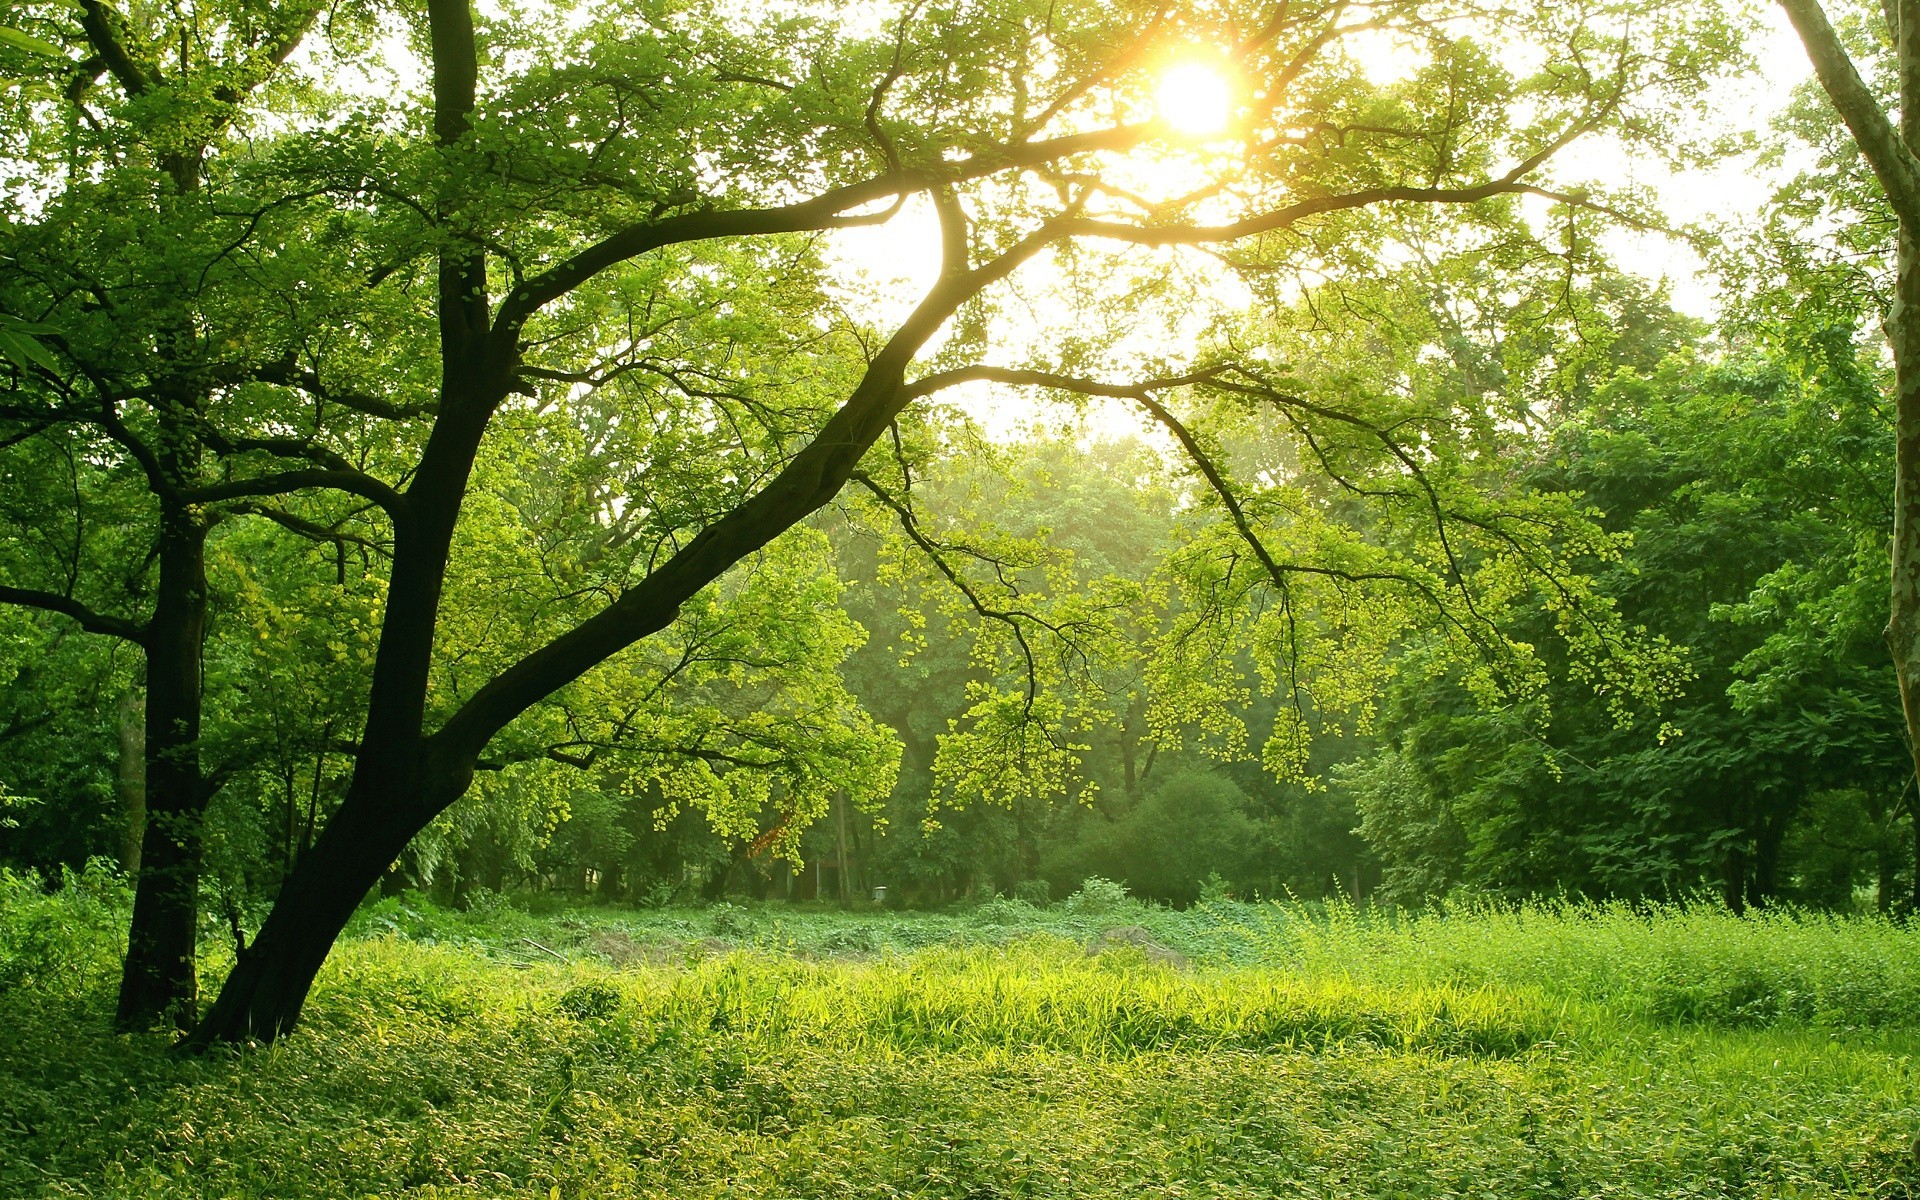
1892	160
352	482
91	621
811	478
1293	214
104	28
826	211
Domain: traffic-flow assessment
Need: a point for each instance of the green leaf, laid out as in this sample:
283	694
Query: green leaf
29	43
23	350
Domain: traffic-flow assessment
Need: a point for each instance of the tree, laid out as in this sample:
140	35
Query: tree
164	395
1755	536
558	185
1888	143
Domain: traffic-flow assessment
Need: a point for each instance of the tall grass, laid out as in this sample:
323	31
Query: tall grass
1688	963
1669	962
1538	1052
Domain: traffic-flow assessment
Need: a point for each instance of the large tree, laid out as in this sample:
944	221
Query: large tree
1886	128
564	180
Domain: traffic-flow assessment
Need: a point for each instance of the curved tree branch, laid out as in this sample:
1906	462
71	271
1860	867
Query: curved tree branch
91	621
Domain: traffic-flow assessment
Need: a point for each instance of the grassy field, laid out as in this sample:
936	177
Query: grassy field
1095	1048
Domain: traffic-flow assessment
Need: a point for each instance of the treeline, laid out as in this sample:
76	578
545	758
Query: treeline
1749	487
1747	479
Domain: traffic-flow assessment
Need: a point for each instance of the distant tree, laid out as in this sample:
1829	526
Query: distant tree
1753	531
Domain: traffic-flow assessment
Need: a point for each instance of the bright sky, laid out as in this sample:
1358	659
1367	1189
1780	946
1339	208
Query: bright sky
888	267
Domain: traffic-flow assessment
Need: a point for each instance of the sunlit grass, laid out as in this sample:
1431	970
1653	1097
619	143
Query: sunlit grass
1483	1053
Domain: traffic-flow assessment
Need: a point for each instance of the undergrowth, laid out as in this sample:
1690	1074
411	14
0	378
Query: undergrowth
1544	1052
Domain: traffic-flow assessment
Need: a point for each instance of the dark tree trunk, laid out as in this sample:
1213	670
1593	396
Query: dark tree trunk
157	980
1885	867
397	786
130	714
1733	887
263	996
1765	884
403	778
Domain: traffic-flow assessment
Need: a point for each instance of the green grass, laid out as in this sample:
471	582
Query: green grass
1551	1052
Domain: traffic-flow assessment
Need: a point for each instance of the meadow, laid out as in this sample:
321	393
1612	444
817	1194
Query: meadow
1097	1047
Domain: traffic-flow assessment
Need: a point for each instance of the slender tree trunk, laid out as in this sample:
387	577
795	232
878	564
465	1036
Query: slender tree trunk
1765	884
157	980
1903	625
1914	900
840	841
1027	840
1733	888
130	713
1885	867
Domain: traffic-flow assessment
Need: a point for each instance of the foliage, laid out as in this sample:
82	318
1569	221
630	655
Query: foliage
1751	527
1188	823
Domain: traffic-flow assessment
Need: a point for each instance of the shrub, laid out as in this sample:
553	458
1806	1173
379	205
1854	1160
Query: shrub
1098	897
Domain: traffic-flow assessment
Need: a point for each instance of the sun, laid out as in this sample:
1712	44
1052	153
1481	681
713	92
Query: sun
1194	98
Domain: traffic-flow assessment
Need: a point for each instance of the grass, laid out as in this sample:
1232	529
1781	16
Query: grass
1546	1052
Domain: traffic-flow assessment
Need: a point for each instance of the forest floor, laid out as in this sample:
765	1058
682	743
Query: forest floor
1088	1049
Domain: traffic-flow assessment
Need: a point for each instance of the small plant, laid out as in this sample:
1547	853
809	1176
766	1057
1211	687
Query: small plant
727	920
658	893
1002	911
854	939
590	1001
1098	897
1215	890
487	904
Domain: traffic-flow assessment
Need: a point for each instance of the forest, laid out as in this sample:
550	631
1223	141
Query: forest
683	597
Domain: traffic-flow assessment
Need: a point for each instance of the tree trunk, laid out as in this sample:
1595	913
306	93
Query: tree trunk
1914	900
1733	886
1903	625
397	786
130	713
263	996
1765	884
157	980
1889	150
840	841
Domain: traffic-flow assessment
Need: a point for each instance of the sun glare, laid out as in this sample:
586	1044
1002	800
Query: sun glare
1194	98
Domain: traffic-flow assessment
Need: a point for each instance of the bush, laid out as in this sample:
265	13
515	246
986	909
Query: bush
1098	897
62	939
1037	892
1189	823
